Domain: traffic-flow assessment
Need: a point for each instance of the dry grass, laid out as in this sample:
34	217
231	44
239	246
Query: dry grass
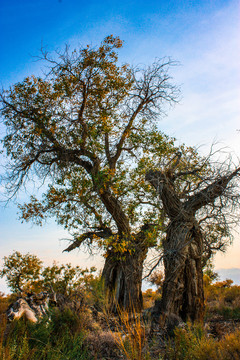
222	298
193	343
130	335
90	331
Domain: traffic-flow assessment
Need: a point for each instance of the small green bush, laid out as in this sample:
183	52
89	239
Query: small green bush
193	343
58	339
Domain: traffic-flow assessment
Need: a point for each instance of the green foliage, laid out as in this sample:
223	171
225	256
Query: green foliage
65	278
60	339
223	298
149	297
193	343
25	273
89	128
86	127
96	293
22	272
210	274
228	312
72	334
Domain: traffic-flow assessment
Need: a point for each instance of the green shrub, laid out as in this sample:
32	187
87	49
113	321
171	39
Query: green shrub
223	298
194	344
58	339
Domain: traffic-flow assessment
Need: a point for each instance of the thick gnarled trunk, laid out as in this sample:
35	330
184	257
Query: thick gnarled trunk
183	248
183	285
123	280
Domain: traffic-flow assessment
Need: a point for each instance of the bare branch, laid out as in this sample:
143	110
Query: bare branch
91	235
210	193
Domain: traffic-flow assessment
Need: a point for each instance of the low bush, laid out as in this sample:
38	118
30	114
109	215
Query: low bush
82	328
223	298
59	339
149	297
193	343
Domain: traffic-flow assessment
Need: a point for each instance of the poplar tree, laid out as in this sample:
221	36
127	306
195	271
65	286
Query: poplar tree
88	128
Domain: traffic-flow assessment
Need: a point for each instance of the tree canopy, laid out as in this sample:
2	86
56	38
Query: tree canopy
85	127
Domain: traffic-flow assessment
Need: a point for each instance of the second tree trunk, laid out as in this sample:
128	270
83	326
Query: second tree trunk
183	285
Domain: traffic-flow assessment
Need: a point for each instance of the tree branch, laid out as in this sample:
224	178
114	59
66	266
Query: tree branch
104	234
125	134
210	193
171	201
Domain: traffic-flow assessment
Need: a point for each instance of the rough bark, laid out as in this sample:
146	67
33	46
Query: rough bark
122	275
183	249
183	286
182	292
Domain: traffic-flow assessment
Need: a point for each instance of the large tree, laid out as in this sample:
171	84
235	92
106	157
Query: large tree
87	128
200	199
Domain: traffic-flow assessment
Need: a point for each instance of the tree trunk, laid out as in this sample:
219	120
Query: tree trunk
122	275
183	285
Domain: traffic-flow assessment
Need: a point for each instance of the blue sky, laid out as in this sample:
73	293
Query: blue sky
202	35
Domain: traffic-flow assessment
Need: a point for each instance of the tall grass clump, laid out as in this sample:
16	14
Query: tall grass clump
130	335
62	338
193	343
